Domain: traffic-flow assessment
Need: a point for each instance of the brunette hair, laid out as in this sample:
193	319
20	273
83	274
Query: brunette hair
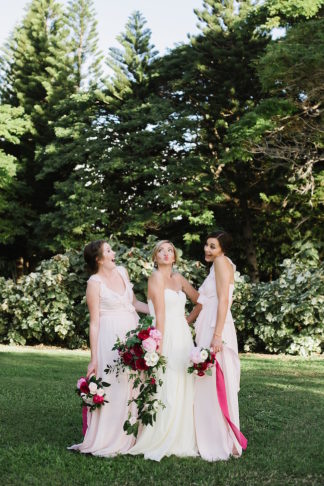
224	239
158	246
92	252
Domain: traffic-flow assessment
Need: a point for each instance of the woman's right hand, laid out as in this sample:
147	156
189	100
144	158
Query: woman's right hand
92	368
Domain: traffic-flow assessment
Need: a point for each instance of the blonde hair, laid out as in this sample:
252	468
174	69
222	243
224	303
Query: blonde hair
158	246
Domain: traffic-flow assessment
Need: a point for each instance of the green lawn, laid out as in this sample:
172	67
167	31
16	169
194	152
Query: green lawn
281	407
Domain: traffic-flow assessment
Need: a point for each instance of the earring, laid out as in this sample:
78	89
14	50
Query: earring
155	265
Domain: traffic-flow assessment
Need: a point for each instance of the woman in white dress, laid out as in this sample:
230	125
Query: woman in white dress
112	307
216	397
173	432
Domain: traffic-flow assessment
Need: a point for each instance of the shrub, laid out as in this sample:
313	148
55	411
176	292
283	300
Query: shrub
48	306
286	315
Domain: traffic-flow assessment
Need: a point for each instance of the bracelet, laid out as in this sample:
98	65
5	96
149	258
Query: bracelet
217	336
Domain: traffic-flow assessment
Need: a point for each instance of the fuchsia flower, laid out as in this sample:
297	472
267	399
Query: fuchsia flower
98	399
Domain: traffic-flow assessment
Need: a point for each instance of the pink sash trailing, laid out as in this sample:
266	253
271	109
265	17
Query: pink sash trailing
84	420
222	399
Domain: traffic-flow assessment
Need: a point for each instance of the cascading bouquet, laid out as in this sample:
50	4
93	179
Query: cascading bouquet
92	392
202	361
139	358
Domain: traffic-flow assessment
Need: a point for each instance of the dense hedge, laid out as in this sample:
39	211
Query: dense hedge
48	306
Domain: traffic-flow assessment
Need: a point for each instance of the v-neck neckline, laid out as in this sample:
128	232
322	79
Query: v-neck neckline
113	291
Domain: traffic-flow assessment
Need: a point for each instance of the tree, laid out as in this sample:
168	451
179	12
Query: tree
84	43
38	76
13	125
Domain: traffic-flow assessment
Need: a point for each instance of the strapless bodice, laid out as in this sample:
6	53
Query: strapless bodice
175	302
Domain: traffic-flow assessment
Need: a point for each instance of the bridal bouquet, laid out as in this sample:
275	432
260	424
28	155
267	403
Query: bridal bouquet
139	358
202	361
92	392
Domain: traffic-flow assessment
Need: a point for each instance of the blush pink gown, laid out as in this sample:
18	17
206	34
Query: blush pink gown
105	435
215	438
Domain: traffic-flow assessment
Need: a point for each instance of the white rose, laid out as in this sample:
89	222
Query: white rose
93	388
151	358
85	399
133	420
156	406
100	392
196	372
203	355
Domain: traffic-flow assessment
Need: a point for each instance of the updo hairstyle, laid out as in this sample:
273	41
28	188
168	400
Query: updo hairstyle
158	246
224	239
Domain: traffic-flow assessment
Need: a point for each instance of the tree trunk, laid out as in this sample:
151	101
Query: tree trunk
249	243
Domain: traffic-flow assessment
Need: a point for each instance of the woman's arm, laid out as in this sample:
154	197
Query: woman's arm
156	293
223	278
139	306
194	313
188	289
92	295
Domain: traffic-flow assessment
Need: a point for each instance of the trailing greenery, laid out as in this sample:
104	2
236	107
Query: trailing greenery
285	315
42	413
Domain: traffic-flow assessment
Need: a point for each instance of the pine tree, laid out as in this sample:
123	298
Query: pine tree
105	187
215	77
84	43
38	76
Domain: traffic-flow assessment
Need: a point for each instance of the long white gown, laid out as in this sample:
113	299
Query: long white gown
215	438
173	432
105	435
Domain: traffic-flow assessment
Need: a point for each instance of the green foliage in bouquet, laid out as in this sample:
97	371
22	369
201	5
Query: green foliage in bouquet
145	368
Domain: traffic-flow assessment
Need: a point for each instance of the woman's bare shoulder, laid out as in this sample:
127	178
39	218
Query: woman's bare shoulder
156	278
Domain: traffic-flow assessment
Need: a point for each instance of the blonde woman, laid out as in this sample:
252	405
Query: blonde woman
173	432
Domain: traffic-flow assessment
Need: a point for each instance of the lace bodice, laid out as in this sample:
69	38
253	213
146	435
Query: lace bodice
110	300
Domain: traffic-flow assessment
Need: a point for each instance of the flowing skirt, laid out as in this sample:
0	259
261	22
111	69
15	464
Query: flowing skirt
215	438
173	432
105	435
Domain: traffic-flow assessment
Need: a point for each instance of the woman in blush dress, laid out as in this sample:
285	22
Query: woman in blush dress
216	397
173	432
112	307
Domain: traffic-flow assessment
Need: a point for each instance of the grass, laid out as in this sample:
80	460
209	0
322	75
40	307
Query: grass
281	408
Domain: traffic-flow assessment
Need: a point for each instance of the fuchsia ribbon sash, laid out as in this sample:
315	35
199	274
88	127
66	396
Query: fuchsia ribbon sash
84	420
222	399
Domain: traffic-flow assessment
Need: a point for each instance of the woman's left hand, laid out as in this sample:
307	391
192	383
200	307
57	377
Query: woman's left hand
217	344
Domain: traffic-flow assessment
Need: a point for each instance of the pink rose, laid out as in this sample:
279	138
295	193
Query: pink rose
149	345
195	355
156	335
80	382
98	399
